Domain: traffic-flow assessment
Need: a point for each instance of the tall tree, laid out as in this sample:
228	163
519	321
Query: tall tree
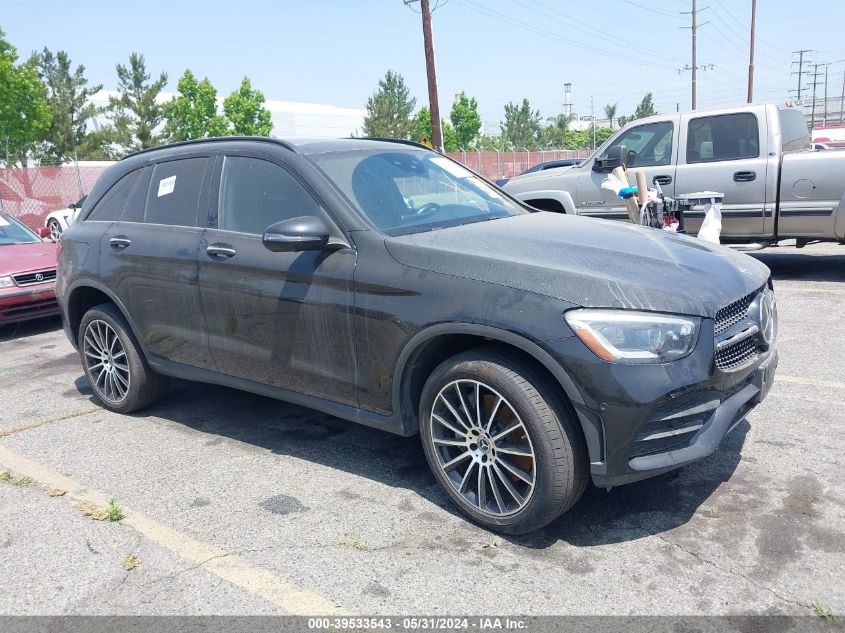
136	111
610	112
24	111
389	109
421	128
645	107
556	133
68	96
193	113
521	125
245	110
466	121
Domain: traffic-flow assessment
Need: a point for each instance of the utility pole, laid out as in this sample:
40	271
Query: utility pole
751	52
842	99
433	103
825	94
815	83
593	117
694	13
800	72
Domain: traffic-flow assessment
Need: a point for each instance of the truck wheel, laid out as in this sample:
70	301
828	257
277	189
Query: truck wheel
114	363
500	441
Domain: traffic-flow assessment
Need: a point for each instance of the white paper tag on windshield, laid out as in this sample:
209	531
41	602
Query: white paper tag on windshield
166	186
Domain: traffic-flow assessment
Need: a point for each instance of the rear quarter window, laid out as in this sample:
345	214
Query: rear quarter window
793	129
111	206
174	192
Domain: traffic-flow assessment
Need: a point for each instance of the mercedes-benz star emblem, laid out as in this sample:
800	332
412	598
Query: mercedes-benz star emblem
767	319
39	277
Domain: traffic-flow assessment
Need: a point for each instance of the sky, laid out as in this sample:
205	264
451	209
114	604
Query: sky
499	51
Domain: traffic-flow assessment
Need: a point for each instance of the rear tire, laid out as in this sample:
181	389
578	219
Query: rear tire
114	363
515	461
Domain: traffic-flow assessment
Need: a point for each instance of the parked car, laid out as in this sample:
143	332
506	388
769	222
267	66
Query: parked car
385	284
549	164
27	272
57	221
821	146
759	156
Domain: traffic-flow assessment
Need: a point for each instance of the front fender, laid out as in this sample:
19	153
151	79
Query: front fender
562	197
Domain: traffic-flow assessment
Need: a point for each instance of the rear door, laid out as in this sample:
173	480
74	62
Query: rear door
650	149
727	153
149	258
280	319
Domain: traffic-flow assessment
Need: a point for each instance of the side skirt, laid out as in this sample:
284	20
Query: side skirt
391	424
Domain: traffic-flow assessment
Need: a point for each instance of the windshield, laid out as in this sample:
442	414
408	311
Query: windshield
13	232
409	190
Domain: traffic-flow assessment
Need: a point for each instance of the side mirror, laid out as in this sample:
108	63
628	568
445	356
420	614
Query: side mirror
613	157
43	232
307	233
72	205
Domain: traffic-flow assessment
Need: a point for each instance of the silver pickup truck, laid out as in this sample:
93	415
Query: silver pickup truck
776	187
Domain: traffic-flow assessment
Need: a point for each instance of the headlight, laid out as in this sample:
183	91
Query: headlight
634	337
6	282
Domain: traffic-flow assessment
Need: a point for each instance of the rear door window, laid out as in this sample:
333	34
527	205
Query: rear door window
256	193
723	137
174	192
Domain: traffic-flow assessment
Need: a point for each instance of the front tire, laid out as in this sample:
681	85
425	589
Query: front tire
114	364
501	442
55	229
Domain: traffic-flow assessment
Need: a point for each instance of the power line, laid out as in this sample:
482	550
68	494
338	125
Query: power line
658	11
510	20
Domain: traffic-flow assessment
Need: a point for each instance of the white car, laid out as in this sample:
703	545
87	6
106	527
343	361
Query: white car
58	220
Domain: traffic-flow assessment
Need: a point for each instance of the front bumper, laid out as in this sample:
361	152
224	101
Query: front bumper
643	420
21	304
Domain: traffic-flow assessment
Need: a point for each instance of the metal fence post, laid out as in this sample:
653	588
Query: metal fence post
498	165
78	174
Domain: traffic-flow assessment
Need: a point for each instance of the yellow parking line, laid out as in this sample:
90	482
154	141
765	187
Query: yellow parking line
230	567
830	384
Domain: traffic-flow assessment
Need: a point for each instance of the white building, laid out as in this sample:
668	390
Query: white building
290	118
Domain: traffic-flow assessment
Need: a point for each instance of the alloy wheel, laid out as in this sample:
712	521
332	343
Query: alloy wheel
483	447
55	230
106	361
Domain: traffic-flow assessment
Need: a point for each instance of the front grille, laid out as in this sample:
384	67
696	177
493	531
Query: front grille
732	314
28	279
737	354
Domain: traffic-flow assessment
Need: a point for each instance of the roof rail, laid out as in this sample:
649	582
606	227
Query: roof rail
215	139
401	141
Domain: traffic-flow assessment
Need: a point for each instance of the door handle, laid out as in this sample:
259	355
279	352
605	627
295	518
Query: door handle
744	176
120	242
661	180
218	250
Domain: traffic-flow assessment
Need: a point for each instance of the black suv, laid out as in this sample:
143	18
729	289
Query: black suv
383	283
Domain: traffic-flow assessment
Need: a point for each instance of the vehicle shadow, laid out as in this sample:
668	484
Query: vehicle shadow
791	264
623	514
26	329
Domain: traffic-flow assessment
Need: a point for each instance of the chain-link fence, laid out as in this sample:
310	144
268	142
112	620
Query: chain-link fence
31	193
499	165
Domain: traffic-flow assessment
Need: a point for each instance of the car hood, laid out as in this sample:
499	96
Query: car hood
588	262
539	175
22	258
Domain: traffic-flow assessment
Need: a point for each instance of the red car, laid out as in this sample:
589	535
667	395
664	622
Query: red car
27	272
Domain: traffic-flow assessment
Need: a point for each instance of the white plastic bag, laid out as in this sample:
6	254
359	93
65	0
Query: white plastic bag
711	228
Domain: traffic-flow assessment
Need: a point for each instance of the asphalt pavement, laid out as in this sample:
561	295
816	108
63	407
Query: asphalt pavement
238	504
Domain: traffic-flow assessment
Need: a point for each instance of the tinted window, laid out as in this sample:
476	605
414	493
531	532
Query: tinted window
133	210
723	137
175	192
408	190
648	145
111	205
793	130
256	193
